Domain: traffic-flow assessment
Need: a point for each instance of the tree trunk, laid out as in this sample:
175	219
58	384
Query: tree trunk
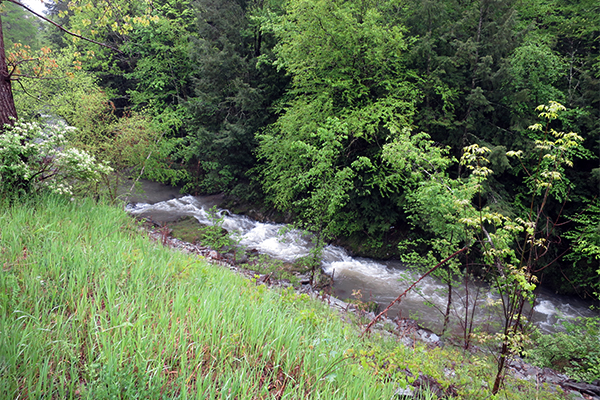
8	113
448	305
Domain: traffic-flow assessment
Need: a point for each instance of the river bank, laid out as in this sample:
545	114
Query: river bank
92	309
405	331
368	280
194	210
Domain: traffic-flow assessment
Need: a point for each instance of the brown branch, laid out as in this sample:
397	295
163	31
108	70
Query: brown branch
17	63
63	29
444	261
51	78
25	90
553	261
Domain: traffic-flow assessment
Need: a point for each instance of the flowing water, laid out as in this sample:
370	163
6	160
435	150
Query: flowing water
367	279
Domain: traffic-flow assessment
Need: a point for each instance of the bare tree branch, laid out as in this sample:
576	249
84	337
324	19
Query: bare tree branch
31	77
444	261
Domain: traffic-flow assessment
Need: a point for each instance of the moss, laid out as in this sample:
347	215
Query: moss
186	229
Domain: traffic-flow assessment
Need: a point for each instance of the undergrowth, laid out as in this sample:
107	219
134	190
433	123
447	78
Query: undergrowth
574	351
92	309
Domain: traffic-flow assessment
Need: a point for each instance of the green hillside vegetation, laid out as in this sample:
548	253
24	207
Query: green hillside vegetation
456	134
304	107
91	308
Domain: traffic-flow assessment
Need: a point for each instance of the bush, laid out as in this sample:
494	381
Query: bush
575	352
36	158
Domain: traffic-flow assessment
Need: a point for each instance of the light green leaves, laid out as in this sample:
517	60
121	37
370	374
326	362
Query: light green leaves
550	111
555	151
350	97
307	179
517	154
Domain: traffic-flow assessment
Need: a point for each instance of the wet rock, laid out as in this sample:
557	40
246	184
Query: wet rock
243	259
576	396
425	335
185	228
407	393
586	389
256	215
552	376
525	371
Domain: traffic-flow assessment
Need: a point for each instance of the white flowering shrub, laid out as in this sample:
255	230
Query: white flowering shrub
34	158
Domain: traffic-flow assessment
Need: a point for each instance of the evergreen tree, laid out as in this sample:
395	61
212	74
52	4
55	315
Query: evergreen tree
232	93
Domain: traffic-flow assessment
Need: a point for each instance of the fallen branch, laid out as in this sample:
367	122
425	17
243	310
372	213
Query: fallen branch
444	261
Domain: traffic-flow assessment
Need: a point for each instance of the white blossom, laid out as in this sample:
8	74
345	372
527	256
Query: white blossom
36	157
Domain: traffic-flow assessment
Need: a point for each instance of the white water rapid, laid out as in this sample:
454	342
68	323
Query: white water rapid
366	278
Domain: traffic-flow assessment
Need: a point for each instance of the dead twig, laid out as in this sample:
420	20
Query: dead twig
411	287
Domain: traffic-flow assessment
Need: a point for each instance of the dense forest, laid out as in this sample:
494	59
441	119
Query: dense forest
405	129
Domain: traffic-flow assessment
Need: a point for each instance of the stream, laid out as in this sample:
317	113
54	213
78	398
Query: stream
367	279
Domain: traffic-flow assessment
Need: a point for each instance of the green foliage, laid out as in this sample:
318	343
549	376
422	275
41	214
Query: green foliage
162	72
130	144
535	70
35	158
460	53
587	244
511	249
350	95
585	255
231	95
575	351
68	93
109	22
307	181
19	26
276	269
336	91
214	236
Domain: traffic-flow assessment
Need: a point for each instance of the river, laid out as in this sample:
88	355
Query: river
372	280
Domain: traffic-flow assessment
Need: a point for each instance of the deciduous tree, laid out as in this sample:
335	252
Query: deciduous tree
351	93
8	113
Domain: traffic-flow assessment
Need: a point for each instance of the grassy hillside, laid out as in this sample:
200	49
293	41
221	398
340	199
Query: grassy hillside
90	308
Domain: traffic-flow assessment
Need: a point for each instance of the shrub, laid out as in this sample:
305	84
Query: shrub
35	158
576	351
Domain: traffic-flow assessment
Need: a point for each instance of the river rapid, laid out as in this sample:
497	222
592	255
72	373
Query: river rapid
367	279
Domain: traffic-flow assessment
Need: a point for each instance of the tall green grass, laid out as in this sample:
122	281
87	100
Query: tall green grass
90	308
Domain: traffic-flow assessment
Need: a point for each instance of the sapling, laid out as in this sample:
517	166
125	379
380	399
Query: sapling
216	237
512	249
